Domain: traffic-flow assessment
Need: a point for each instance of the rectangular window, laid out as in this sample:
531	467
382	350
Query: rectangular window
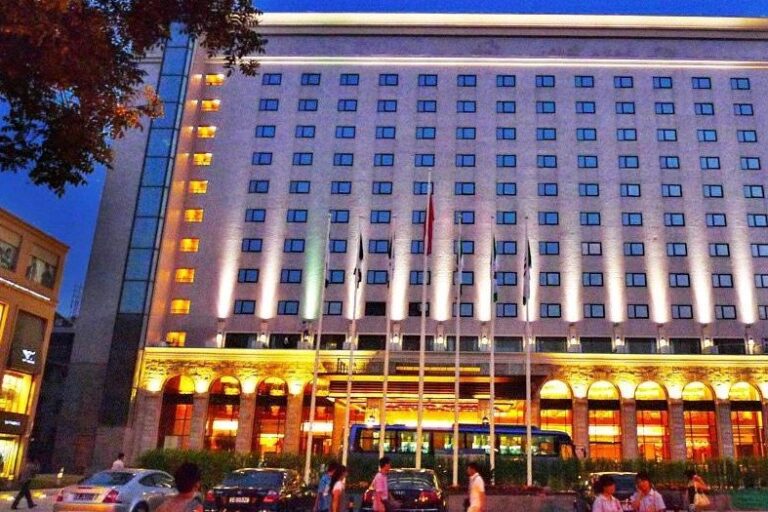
427	80
549	248
585	107
305	131
545	107
466	106
749	163
290	276
338	246
248	275
426	106
754	191
740	84
467	247
589	189
587	161
381	216
631	219
336	276
594	310
743	109
333	308
719	250
251	245
549	278
759	250
674	219
265	131
662	82
299	187
547	189
506	310
420	216
466	133
625	107
664	108
634	249
210	105
377	277
244	307
706	135
424	160
545	80
591	249
302	158
271	79
349	79
707	163
255	215
746	135
345	132
704	109
666	135
383	160
677	249
341	187
343	159
464	188
635	280
669	162
181	275
346	105
623	82
723	281
420	188
629	162
546	161
386	106
299	216
307	105
288	307
388	79
258	186
463	217
725	312
381	188
757	220
592	279
682	311
293	245
549	310
506	133
626	134
506	247
637	310
761	280
629	190
505	80
701	82
679	280
671	190
425	132
310	79
466	80
506	278
465	160
269	104
506	107
378	246
385	132
506	217
716	220
506	160
589	218
583	134
584	81
549	218
261	158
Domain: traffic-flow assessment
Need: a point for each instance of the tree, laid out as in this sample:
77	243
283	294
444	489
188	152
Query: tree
70	76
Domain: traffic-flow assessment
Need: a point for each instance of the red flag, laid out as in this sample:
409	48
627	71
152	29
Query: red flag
428	225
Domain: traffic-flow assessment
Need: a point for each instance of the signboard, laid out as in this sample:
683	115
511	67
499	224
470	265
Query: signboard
27	343
12	423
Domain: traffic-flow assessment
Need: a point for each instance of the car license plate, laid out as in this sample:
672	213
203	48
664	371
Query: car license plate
239	499
84	497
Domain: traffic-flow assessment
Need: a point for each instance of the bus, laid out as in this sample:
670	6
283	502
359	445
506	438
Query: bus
474	439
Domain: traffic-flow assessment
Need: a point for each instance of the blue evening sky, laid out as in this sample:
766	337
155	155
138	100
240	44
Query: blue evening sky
72	218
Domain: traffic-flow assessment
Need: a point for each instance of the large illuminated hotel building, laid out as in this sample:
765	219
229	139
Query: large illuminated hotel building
633	146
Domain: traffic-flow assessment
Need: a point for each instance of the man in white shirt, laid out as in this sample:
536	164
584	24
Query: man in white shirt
646	499
476	489
380	486
119	462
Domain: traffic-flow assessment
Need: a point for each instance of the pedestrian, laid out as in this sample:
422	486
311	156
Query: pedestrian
605	500
381	502
646	499
323	501
697	488
476	489
30	470
338	484
187	478
119	462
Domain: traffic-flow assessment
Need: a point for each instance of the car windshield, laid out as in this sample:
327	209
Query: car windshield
108	478
624	483
257	479
410	481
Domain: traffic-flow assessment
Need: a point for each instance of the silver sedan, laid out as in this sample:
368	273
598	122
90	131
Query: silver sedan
125	490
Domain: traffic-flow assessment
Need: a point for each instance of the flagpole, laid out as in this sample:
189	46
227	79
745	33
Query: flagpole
423	332
316	370
352	339
385	386
526	298
456	359
492	372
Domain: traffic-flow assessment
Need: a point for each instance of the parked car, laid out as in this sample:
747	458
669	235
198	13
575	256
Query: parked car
625	488
125	490
260	489
414	490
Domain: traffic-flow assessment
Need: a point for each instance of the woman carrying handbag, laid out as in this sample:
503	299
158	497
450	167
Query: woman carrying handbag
697	487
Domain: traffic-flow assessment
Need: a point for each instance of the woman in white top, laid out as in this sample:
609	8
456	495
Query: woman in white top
338	483
605	500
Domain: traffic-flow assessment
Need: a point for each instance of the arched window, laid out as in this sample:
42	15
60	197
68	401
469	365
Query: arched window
604	421
652	421
223	414
323	425
746	420
176	413
700	423
269	419
556	406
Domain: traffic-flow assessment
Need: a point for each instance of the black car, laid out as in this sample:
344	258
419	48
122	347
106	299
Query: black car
625	488
414	490
260	489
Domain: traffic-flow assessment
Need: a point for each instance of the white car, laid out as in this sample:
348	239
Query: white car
124	490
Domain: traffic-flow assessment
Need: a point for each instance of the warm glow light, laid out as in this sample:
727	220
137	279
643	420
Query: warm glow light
696	391
313	278
318	427
764	389
201	384
626	388
651	430
214	79
743	391
675	391
602	390
210	105
701	279
227	425
176	338
579	389
570	265
613	250
295	387
656	260
555	390
248	385
180	306
202	159
189	244
193	215
154	384
198	186
185	275
721	390
206	132
400	274
604	431
650	390
443	262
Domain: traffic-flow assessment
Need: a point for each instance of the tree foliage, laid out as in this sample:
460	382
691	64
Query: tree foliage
71	81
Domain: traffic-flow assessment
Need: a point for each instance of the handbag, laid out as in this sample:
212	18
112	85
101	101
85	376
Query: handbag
700	500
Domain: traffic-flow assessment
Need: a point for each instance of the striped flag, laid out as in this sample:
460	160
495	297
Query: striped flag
359	264
527	273
429	225
494	270
390	257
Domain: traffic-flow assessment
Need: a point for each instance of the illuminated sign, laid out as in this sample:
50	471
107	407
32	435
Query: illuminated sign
12	423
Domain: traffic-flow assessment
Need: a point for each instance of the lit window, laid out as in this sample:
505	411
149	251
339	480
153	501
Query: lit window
189	244
15	393
185	275
180	306
210	105
198	186
176	338
206	132
214	79
202	158
193	215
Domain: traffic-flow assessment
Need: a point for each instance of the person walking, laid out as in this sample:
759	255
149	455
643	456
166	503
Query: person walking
119	462
605	500
323	501
697	488
187	478
646	499
338	485
30	470
476	489
380	487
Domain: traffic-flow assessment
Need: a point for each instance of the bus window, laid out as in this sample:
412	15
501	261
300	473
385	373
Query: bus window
566	451
368	440
442	441
408	442
543	446
511	445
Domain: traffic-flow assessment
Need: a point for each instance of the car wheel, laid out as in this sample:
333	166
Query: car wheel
141	507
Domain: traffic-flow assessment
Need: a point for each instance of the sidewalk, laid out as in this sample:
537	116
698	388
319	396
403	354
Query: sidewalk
43	499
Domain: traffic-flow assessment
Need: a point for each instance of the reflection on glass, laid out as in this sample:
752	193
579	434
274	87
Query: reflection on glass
14	394
41	272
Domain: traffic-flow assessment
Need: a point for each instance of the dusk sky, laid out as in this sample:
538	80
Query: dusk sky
72	219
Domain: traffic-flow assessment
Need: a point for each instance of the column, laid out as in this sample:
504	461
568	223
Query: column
628	428
535	411
147	425
293	422
677	430
199	417
724	427
581	426
338	428
245	419
765	427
